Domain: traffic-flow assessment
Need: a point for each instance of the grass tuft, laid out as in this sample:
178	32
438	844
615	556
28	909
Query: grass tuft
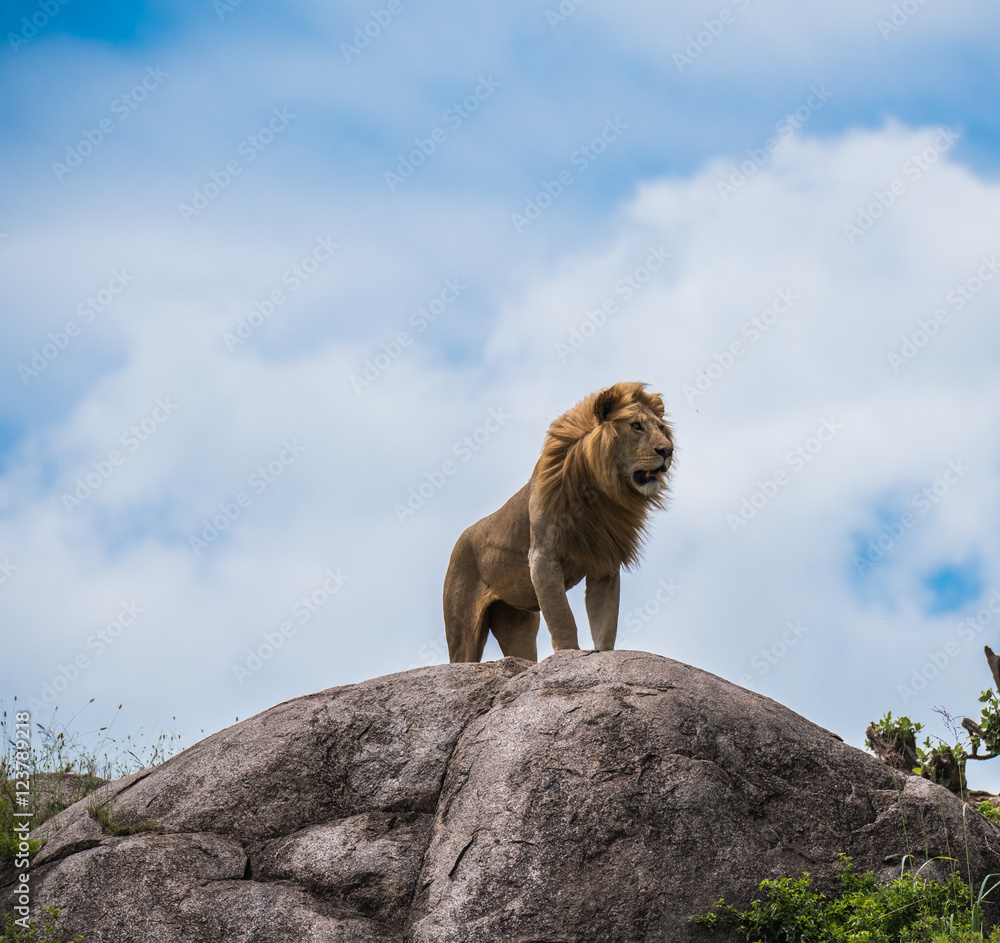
65	765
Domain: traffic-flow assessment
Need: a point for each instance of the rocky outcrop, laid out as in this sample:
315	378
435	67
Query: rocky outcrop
592	797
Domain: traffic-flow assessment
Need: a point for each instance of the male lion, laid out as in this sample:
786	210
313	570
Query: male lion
603	468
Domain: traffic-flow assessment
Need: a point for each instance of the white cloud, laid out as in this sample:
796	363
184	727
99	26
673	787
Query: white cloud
333	507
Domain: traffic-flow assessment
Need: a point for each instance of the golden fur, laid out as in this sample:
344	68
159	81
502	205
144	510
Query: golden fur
583	513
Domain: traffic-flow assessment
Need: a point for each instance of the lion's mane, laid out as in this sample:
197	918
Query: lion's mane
602	522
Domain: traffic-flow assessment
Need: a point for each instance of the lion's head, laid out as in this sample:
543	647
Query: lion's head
605	464
631	442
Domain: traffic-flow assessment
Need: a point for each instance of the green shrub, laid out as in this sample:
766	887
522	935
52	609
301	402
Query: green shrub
901	725
46	932
939	762
907	910
9	841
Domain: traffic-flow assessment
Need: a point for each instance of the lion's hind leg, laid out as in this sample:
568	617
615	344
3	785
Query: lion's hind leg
466	625
515	629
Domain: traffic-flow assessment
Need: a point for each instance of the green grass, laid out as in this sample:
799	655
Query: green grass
907	910
66	764
104	814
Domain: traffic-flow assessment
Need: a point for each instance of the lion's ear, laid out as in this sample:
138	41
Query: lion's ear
656	404
606	403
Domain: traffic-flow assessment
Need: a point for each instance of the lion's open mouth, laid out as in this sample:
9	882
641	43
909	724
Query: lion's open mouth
643	477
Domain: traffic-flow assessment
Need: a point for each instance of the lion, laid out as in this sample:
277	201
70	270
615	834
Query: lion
583	513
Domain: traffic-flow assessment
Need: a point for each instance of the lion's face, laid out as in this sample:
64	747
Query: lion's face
645	450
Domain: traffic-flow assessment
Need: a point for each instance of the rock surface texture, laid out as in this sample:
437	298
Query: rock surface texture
592	797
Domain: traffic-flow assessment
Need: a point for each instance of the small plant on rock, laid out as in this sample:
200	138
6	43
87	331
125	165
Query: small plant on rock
907	910
894	740
45	932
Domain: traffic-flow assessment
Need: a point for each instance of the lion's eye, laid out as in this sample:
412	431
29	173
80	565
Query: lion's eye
637	426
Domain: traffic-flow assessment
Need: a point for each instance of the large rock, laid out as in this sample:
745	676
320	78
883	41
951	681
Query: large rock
593	797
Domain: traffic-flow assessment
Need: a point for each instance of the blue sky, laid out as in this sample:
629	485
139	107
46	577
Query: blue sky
860	237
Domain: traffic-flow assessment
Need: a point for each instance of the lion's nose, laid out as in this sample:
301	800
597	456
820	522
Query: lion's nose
665	453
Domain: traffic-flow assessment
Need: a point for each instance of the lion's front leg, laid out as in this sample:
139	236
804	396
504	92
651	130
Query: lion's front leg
602	610
550	589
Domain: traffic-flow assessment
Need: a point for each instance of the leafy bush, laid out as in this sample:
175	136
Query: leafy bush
907	910
46	932
894	740
901	725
